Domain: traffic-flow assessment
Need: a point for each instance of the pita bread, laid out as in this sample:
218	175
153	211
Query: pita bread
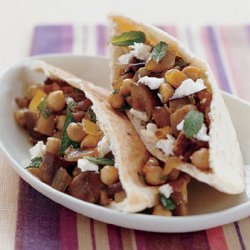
124	141
226	164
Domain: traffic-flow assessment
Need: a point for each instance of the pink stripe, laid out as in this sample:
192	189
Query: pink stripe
114	235
216	239
68	230
171	29
92	232
140	240
67	38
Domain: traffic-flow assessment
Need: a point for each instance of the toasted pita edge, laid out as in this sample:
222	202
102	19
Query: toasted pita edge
225	159
129	152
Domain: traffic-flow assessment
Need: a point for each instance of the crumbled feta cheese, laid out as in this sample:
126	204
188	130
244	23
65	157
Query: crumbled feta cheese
151	82
86	165
124	59
166	145
201	135
139	114
38	150
151	127
188	87
141	51
166	190
103	146
69	100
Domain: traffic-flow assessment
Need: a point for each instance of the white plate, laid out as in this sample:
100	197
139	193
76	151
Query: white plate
208	207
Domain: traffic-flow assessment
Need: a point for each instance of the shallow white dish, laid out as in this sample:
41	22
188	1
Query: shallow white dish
208	208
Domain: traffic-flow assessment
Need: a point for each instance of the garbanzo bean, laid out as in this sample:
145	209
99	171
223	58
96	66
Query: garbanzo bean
109	175
116	100
60	122
166	91
175	77
160	210
119	196
90	141
126	86
19	117
56	100
31	91
53	145
200	158
192	72
75	132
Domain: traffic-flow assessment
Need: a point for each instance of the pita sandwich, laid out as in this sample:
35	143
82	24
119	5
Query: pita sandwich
172	98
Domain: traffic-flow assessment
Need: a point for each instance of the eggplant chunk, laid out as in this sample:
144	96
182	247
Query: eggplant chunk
61	180
178	103
178	116
114	188
86	186
46	126
144	99
161	116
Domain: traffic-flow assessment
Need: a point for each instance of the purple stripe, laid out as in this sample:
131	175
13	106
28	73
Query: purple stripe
37	220
114	235
92	233
52	39
101	34
236	225
247	28
217	59
140	240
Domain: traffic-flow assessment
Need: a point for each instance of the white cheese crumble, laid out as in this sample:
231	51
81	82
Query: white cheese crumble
166	190
38	150
139	114
86	165
201	135
166	145
188	87
151	127
139	50
69	100
103	146
151	82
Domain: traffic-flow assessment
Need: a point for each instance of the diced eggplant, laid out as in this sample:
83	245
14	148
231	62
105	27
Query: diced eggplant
114	188
61	180
161	116
22	102
60	82
144	99
76	154
46	125
78	116
178	116
84	105
50	165
178	103
86	186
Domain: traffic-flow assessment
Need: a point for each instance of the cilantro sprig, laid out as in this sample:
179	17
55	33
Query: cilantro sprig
129	38
43	108
35	162
167	203
100	160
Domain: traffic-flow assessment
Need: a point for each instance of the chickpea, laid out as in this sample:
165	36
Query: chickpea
119	196
53	145
90	141
19	116
175	77
109	175
200	158
75	132
60	122
160	210
166	91
116	100
192	72
31	91
126	86
56	100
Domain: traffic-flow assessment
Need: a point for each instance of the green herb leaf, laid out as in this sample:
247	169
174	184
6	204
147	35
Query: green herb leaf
35	162
66	142
100	160
92	115
159	51
115	91
125	107
129	38
167	203
192	123
42	107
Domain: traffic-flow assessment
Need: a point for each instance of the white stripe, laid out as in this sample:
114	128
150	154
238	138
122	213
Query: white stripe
91	46
182	35
225	62
77	39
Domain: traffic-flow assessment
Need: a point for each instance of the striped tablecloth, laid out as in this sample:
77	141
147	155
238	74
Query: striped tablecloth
36	222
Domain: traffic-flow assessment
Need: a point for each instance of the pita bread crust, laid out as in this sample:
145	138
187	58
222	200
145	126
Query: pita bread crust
124	141
225	159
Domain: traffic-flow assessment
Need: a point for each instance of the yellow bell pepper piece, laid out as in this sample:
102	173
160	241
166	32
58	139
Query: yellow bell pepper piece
38	97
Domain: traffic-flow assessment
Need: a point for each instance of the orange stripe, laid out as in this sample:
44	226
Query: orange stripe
216	239
128	239
231	237
83	232
244	226
9	186
101	235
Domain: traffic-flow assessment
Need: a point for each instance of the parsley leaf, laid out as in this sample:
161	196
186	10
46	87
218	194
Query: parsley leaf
100	160
92	115
42	107
115	91
167	203
129	38
66	142
35	162
125	107
159	51
192	123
